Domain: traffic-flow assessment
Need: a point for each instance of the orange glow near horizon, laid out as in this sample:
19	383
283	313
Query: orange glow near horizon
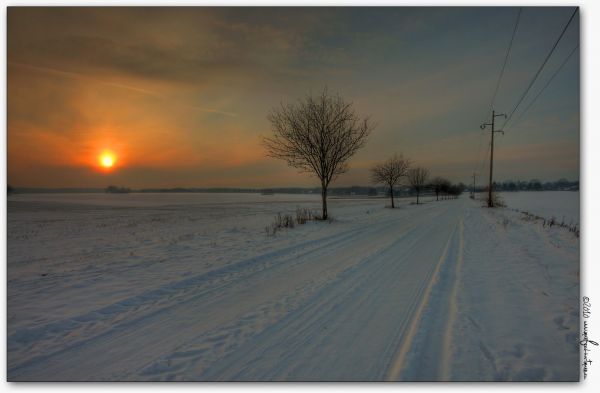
107	160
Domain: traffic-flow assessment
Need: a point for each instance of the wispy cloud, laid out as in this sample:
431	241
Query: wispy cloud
75	75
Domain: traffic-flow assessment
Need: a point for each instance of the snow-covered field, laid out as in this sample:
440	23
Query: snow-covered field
562	205
190	287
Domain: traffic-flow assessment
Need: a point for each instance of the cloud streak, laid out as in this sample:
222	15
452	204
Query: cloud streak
75	75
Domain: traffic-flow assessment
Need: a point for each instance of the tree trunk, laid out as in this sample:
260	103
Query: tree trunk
436	196
392	195
324	199
417	197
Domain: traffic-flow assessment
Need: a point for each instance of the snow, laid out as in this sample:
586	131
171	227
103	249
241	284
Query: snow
562	205
190	287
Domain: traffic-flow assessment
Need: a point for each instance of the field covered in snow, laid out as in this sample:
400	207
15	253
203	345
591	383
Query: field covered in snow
562	205
191	287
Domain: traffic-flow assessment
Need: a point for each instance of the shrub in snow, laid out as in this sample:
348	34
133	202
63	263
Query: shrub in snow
304	214
281	221
571	227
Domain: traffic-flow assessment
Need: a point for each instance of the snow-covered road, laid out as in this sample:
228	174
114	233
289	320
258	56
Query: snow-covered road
441	291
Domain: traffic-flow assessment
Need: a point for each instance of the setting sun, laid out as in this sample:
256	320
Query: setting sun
107	160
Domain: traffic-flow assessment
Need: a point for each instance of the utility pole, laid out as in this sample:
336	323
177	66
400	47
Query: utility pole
483	126
473	189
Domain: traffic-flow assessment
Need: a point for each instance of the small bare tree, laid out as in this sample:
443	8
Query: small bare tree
317	135
417	178
439	185
390	172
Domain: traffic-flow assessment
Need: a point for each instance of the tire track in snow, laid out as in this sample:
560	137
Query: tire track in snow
85	326
398	364
347	326
93	324
453	308
202	353
188	365
155	317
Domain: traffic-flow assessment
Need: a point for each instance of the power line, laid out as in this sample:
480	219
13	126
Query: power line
546	85
540	69
512	38
498	82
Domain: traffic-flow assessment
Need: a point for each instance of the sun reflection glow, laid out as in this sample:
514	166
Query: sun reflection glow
107	160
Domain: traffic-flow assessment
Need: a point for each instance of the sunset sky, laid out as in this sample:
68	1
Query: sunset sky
179	97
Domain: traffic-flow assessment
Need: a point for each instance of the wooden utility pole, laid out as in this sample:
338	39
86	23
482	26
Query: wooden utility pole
473	189
483	126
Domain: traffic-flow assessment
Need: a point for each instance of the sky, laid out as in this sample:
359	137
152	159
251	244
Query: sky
180	96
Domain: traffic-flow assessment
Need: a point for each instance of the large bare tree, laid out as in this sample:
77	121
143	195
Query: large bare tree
390	172
318	135
417	177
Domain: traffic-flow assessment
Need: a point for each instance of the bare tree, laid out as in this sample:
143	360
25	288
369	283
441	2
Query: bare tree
439	185
317	135
390	172
417	178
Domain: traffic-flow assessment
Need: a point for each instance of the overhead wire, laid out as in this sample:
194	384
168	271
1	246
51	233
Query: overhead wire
565	61
512	38
498	83
536	75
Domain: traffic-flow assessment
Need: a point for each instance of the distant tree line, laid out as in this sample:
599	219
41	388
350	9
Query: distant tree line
117	190
534	185
400	190
220	190
357	190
